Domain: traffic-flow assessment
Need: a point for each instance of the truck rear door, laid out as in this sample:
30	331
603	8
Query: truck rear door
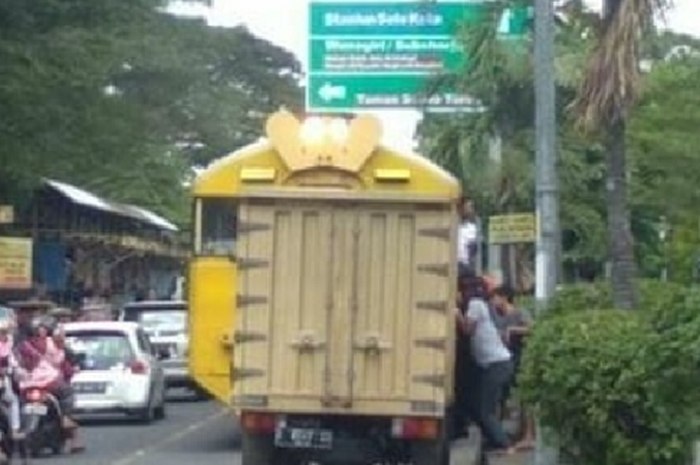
342	306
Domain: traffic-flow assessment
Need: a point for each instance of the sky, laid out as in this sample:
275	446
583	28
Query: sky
285	23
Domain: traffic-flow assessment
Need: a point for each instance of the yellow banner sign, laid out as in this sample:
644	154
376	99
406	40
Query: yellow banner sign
15	263
7	214
513	229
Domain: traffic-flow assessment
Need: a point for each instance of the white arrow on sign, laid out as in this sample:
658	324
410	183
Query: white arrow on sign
330	92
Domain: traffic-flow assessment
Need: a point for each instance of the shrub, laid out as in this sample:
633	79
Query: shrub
653	296
615	388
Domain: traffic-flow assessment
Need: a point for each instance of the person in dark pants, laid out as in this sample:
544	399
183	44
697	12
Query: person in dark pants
494	363
514	324
466	374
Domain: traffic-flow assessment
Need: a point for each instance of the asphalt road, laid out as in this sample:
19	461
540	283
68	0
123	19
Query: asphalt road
193	433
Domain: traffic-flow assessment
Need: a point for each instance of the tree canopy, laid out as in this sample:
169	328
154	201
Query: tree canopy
125	99
661	138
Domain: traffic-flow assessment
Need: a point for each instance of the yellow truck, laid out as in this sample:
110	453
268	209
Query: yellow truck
322	288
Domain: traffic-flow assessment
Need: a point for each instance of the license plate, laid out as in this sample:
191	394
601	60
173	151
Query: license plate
90	388
36	409
303	438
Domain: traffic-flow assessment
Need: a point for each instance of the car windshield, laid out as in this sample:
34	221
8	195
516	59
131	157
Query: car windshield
160	322
100	350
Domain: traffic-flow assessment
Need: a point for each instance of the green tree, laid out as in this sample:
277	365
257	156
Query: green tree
123	98
503	81
607	95
208	90
665	164
659	171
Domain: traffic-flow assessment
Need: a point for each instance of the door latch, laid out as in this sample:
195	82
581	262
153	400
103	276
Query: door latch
307	343
372	344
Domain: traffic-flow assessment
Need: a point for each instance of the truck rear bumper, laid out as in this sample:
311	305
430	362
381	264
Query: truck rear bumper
344	438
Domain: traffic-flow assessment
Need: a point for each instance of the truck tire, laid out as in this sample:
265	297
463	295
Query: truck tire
257	450
431	453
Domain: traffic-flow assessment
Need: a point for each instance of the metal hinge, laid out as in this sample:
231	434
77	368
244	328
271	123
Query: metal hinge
435	305
432	343
240	337
243	373
440	233
245	228
249	263
439	269
246	300
433	380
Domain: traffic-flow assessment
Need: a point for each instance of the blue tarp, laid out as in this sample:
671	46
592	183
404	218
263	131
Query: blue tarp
50	265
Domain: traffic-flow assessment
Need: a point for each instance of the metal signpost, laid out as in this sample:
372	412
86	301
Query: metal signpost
383	55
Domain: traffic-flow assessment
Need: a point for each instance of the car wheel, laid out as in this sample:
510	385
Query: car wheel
160	412
147	413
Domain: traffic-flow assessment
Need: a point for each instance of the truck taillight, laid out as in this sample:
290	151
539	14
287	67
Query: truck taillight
259	423
415	428
35	395
138	367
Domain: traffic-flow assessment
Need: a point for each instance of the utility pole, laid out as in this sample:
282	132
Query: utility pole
495	259
546	185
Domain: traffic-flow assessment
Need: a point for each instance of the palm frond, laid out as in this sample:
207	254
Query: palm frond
612	82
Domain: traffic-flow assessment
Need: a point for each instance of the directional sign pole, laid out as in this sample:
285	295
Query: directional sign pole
547	195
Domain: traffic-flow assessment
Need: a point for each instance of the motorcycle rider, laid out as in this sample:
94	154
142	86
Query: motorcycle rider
10	392
39	358
23	326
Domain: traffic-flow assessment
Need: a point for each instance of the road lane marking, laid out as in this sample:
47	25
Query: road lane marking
140	453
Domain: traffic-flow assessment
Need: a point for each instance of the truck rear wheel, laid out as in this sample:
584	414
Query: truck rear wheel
431	453
257	450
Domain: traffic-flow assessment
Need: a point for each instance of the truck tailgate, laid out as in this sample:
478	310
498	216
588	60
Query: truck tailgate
344	307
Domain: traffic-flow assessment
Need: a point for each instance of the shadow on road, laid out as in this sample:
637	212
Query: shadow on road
120	419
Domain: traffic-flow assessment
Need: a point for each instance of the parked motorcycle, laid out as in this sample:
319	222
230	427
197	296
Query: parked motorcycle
42	422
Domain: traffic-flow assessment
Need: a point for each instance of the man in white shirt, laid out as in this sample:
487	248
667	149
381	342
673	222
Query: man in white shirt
468	233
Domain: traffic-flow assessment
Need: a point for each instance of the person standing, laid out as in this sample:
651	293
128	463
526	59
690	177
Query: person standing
514	324
493	360
467	235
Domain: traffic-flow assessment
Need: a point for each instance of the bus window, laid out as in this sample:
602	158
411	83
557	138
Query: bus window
217	220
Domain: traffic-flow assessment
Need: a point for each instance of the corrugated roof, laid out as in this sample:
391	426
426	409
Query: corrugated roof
80	196
86	199
153	218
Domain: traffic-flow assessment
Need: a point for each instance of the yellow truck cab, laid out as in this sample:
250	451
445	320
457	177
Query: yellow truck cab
321	291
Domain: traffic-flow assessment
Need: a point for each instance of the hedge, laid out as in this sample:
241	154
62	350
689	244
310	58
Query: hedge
619	388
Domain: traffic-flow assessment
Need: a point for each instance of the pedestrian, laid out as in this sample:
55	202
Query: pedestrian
514	324
493	360
465	373
467	234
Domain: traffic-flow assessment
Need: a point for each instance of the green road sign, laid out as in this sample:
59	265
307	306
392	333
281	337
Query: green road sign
395	46
385	55
348	93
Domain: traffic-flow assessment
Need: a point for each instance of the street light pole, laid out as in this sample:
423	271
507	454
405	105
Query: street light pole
547	195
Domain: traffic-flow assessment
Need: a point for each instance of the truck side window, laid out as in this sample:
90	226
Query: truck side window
219	218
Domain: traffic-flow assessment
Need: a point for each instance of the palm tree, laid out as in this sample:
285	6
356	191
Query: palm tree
609	91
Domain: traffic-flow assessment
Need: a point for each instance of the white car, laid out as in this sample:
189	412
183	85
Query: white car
119	370
165	322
